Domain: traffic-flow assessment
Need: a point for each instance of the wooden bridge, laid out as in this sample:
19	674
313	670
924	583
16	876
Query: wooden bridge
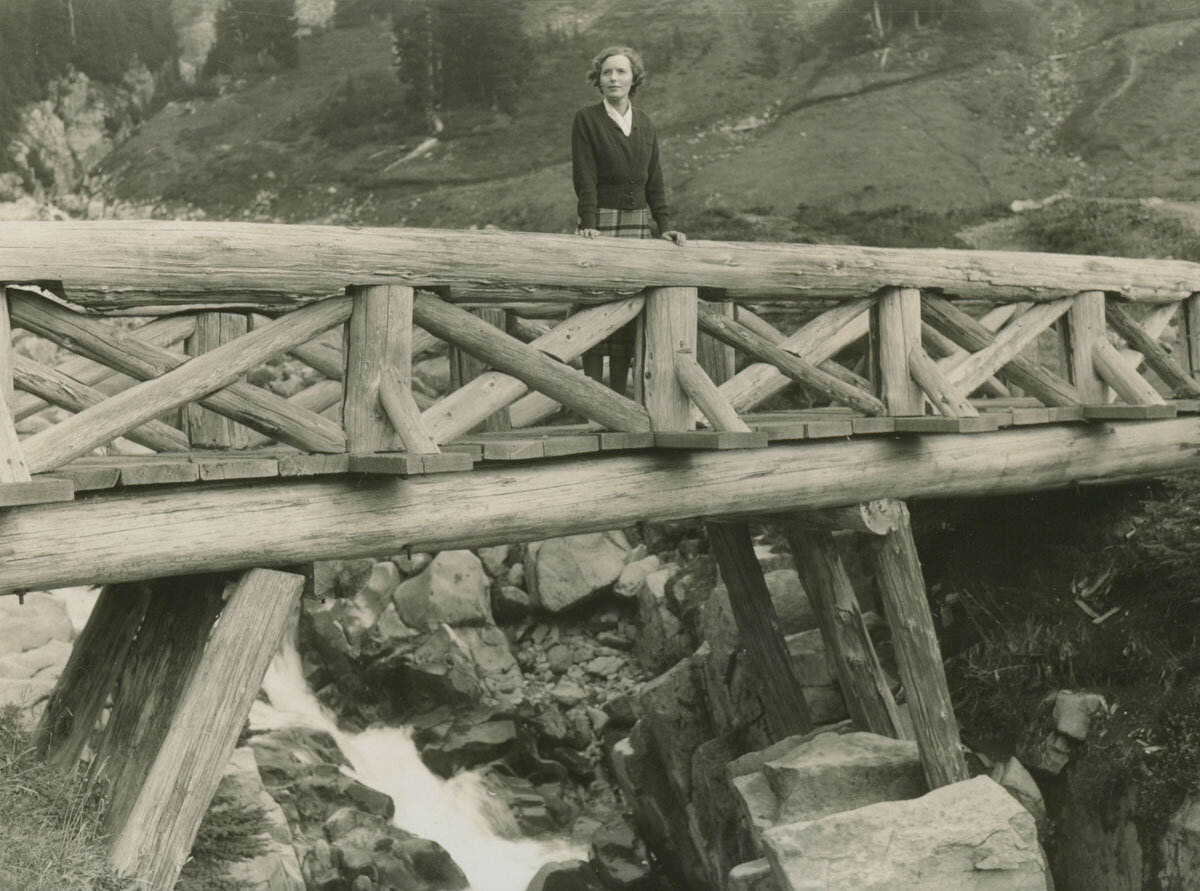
922	372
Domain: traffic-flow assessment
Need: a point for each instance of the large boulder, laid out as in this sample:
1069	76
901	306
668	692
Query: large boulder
969	836
461	665
364	844
29	625
565	875
453	590
277	867
563	572
661	637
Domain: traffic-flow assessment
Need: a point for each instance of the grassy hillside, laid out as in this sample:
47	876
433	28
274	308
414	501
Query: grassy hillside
762	105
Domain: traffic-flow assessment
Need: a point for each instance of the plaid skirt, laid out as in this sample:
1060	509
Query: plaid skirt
622	224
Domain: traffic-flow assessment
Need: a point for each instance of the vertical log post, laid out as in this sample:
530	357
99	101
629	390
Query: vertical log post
206	429
97	660
1083	326
918	656
670	326
12	461
464	367
1189	334
824	578
895	332
715	357
378	336
177	753
787	712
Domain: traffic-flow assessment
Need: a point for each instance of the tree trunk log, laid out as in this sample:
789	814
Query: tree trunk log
895	332
205	428
669	326
787	711
704	393
1123	377
863	682
918	656
378	336
153	266
1153	354
946	399
138	535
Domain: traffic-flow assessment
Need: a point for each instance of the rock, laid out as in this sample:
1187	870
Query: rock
467	664
968	836
631	577
340	578
360	613
1181	848
49	657
821	691
619	858
559	658
39	620
1016	780
565	875
367	845
277	867
567	692
510	603
837	772
411	564
318	868
605	666
673	709
614	639
1073	713
452	590
753	876
1046	755
469	746
661	638
620	710
563	572
494	560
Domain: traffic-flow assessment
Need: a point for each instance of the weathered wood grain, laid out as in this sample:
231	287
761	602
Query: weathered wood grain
945	398
918	656
402	411
704	393
895	331
786	709
537	370
205	428
669	326
1152	352
154	266
250	405
1113	370
1083	327
378	336
169	532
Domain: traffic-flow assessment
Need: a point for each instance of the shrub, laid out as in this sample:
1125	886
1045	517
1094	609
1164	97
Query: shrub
1115	229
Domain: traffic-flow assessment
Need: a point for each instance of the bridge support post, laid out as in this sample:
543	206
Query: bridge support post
896	332
12	461
918	656
824	578
670	326
1189	329
182	684
207	429
1083	326
378	336
786	709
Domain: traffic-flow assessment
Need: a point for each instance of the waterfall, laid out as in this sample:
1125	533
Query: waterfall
460	814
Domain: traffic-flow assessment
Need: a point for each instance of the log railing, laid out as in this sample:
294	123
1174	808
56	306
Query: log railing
878	340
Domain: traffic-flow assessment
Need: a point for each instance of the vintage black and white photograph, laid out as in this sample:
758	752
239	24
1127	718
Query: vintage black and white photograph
597	445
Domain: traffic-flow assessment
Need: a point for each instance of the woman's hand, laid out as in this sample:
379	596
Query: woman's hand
678	237
588	233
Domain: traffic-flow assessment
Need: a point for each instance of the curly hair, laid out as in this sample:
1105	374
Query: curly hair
635	60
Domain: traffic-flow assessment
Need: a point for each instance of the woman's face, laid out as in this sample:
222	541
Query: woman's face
616	78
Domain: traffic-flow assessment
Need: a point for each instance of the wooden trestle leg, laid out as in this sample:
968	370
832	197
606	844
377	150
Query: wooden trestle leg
824	578
197	652
918	657
787	711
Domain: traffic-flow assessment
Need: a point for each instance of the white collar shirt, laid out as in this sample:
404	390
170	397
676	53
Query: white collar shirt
624	121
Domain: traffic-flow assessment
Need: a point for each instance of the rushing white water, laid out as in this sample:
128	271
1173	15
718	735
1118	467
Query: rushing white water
460	814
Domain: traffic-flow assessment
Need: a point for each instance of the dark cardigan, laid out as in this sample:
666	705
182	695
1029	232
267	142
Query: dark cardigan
616	171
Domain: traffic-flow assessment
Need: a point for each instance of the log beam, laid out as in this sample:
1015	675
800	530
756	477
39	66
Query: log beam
1083	327
378	336
151	267
704	393
787	711
173	783
137	535
1189	334
818	341
1152	352
918	656
250	405
205	428
946	398
862	680
967	332
800	370
540	372
97	660
405	417
895	332
669	325
1119	374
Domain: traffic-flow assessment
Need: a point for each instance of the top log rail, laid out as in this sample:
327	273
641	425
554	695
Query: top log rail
157	267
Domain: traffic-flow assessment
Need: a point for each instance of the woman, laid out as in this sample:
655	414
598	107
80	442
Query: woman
618	181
